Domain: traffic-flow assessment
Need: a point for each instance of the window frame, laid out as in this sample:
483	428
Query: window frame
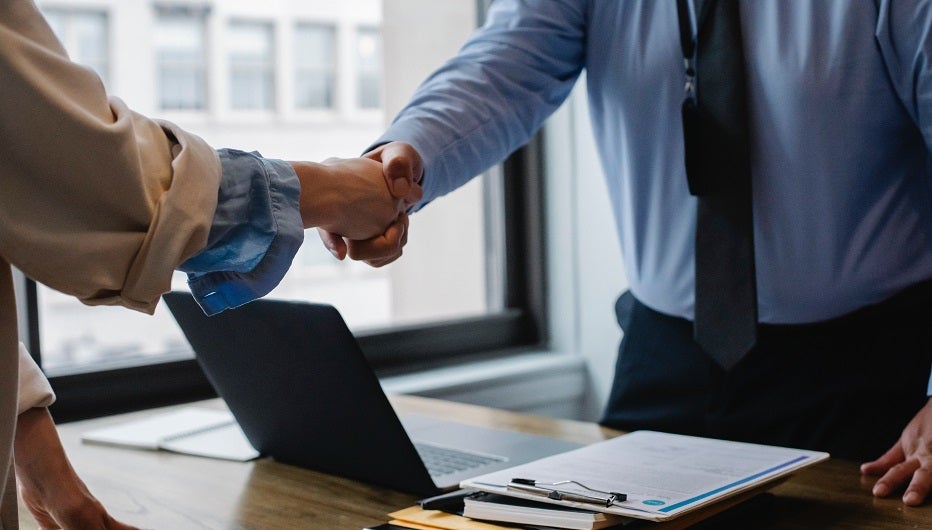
514	235
519	326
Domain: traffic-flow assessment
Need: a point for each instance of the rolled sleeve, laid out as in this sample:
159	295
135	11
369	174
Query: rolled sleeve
256	231
34	388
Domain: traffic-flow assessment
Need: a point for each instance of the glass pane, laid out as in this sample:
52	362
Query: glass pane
84	34
252	85
313	90
179	42
368	64
334	55
315	65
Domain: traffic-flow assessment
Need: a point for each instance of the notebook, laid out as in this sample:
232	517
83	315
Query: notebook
297	383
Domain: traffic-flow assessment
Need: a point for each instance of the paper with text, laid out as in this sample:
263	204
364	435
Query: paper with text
663	475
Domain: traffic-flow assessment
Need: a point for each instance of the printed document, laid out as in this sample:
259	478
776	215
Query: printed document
663	475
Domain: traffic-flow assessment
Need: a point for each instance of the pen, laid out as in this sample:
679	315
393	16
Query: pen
451	502
536	488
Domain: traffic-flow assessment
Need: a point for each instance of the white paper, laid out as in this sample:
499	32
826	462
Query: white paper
227	442
196	431
663	475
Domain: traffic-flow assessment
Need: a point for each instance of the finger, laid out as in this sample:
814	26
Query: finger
918	488
892	457
376	263
113	524
895	478
334	243
402	168
386	246
413	197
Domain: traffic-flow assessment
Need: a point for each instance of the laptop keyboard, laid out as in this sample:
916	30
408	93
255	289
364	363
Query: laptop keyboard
444	460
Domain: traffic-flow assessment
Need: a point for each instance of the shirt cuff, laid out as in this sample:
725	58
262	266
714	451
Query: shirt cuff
34	388
256	232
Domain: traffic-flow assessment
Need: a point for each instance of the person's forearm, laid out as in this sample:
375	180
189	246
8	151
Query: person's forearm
349	197
84	171
37	448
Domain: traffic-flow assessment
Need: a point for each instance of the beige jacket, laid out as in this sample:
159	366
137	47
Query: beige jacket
96	200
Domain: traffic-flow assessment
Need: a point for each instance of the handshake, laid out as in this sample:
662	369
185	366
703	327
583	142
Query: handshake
359	205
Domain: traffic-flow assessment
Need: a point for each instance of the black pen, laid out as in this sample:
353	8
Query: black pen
451	502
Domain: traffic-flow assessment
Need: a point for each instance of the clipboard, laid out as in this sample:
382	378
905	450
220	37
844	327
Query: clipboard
660	476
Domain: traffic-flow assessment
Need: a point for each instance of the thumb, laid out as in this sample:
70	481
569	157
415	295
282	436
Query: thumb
334	243
401	166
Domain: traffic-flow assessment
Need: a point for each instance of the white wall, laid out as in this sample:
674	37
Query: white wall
585	272
447	235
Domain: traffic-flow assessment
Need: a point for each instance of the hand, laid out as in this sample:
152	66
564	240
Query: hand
908	461
50	487
347	197
402	169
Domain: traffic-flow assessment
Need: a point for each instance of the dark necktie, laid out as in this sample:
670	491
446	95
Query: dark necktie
715	123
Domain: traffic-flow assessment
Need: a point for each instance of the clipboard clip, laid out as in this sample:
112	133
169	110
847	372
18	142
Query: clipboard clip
550	490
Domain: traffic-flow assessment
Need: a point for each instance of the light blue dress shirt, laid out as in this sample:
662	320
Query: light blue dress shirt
256	231
841	111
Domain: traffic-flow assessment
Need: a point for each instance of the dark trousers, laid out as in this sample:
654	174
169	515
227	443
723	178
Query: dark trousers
847	385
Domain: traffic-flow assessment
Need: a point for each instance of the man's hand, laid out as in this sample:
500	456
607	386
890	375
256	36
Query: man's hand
402	171
50	487
347	197
908	463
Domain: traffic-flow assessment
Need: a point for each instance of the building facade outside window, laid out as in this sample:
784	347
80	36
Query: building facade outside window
287	60
368	68
252	65
84	33
315	66
180	55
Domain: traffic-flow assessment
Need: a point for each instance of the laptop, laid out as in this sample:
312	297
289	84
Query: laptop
297	383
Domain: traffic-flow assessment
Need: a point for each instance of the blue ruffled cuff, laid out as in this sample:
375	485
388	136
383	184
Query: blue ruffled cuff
256	232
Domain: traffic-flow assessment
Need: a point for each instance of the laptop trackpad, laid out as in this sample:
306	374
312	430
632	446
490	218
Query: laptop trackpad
512	448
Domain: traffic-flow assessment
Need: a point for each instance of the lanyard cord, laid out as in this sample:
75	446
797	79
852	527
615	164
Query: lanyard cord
688	45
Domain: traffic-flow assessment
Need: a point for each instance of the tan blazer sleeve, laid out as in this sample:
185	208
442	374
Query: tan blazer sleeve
34	388
97	201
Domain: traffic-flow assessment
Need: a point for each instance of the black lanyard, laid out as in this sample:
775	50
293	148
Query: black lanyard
688	45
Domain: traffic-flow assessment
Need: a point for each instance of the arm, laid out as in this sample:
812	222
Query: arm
480	106
50	487
906	46
103	203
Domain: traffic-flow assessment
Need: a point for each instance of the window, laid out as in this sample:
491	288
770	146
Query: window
252	67
85	36
315	66
368	68
180	60
469	281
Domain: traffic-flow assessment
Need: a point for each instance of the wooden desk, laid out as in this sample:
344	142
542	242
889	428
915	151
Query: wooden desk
160	490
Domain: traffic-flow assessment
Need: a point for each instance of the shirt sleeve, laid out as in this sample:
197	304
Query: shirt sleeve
103	203
256	231
34	388
906	46
490	99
